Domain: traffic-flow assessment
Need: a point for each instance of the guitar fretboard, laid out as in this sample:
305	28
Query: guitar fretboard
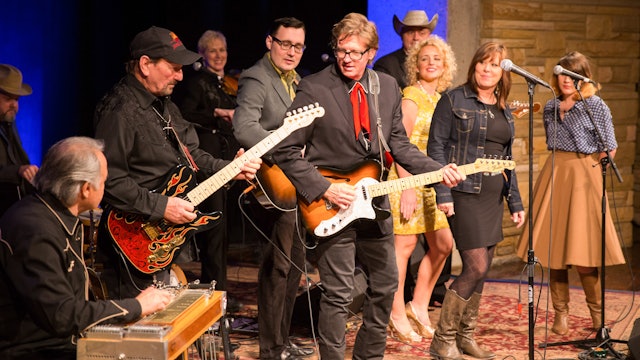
226	174
433	177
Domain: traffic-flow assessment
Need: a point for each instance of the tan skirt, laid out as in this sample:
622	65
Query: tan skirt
567	230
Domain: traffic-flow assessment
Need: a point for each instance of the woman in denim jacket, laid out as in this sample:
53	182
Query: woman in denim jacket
473	121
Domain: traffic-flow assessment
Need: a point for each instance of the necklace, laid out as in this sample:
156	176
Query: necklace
488	103
433	99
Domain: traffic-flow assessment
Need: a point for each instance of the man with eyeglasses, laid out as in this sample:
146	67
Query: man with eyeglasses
413	28
362	117
265	91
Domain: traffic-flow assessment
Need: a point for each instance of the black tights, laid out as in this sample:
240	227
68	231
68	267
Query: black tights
475	266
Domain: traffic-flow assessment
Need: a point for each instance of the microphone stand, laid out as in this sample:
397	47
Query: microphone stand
602	339
530	254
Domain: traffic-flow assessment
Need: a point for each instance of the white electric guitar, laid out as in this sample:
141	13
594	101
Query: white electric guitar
326	219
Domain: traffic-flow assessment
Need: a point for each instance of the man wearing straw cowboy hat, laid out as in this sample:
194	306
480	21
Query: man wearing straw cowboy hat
16	172
414	28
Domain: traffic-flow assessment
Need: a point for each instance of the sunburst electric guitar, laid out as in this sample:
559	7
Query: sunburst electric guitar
150	245
326	219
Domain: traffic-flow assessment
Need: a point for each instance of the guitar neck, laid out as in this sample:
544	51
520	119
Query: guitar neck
414	181
226	174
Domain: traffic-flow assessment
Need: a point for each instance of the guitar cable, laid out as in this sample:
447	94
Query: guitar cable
309	281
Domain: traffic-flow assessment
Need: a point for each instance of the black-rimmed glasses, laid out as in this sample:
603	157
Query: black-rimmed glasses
286	45
353	55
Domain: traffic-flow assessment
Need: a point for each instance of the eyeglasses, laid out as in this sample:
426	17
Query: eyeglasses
354	55
286	45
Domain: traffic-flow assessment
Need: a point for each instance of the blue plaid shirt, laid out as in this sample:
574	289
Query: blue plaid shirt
576	133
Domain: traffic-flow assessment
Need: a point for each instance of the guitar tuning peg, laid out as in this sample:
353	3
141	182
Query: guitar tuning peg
311	106
305	108
288	113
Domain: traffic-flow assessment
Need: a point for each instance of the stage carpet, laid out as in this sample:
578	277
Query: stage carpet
503	325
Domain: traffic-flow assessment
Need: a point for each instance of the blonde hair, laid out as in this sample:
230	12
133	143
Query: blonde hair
355	24
448	60
207	37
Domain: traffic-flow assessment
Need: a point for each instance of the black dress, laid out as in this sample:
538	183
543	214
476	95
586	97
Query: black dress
478	219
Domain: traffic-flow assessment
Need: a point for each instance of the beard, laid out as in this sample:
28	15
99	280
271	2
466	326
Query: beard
9	116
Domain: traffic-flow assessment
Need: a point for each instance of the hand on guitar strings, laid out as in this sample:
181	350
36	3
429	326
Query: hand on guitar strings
153	299
451	176
340	194
249	168
179	211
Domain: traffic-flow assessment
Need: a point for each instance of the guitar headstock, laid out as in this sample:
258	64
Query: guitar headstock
487	165
303	116
520	109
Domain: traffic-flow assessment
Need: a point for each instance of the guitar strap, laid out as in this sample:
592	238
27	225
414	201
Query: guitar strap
374	88
181	147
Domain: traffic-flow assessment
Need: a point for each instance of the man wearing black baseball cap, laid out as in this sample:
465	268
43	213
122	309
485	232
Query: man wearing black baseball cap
146	139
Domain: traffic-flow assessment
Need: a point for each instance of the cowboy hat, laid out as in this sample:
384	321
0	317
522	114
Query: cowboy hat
414	18
11	81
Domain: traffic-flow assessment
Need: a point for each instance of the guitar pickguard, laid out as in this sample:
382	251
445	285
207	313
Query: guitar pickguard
151	246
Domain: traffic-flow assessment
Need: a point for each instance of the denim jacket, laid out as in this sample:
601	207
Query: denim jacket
457	135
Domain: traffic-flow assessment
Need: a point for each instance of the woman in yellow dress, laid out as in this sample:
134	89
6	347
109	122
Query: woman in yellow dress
430	69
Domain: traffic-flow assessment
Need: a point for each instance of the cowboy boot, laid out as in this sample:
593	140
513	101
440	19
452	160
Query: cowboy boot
443	346
559	287
593	294
468	324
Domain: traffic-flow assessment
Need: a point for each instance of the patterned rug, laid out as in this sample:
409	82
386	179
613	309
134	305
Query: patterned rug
503	324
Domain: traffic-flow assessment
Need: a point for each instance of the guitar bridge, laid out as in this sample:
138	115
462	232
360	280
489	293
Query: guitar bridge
151	231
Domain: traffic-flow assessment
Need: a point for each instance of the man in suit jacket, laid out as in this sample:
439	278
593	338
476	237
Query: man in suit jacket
335	141
414	28
265	91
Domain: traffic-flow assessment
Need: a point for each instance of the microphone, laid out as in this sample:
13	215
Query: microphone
507	65
197	66
326	58
559	70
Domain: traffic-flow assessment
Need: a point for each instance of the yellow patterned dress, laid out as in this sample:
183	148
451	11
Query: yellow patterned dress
427	217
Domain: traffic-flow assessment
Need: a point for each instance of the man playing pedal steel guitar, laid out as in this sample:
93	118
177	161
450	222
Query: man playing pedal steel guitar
44	288
350	94
146	139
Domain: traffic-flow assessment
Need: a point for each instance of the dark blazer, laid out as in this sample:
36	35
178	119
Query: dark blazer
330	140
12	156
393	64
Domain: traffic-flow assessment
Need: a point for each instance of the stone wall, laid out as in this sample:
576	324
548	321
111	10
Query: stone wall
539	32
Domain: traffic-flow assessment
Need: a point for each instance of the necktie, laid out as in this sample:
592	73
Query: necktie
360	109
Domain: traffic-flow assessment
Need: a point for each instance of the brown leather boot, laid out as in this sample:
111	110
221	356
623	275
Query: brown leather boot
559	287
468	324
593	294
443	346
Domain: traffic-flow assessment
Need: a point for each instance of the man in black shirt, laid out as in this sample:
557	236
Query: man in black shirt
16	171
